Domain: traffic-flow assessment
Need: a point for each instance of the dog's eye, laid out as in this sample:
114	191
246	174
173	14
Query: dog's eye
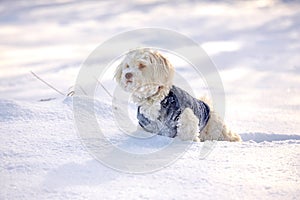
141	66
126	66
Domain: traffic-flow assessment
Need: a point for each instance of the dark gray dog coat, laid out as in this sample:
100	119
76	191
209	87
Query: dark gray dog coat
171	108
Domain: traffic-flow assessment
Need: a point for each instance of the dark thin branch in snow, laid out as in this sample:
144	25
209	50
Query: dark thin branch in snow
39	78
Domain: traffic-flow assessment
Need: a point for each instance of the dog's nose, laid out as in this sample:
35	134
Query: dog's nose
128	75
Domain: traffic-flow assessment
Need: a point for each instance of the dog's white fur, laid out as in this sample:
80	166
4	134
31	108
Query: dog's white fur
149	77
187	128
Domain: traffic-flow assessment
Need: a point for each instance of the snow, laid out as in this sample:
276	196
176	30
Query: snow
255	46
43	158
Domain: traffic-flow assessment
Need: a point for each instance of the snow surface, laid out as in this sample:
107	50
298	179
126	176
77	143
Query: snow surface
255	46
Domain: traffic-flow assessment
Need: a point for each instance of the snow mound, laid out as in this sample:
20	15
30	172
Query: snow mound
43	158
11	110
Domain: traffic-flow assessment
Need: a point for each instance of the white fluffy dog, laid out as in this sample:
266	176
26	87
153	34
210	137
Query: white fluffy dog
163	108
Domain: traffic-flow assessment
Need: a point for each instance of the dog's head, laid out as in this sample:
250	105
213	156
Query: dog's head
144	73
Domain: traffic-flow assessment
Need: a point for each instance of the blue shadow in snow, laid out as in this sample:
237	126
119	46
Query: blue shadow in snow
267	137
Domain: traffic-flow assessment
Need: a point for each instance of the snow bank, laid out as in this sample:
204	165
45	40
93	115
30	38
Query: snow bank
43	158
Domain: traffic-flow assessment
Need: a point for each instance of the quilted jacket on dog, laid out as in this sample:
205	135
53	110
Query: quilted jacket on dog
171	108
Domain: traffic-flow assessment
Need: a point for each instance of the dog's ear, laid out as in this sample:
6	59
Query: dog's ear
165	68
118	73
165	63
